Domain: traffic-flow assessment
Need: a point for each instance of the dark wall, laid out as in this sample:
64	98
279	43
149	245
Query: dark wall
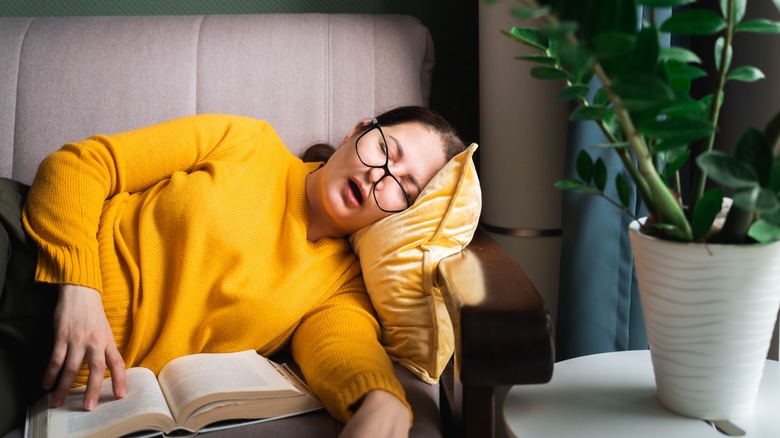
745	104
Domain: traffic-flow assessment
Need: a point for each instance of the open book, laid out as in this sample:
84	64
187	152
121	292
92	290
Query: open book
190	393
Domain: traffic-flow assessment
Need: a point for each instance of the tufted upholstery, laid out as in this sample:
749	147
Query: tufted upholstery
312	76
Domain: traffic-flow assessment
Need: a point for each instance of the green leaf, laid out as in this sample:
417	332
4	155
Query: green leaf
642	93
549	73
575	186
764	232
613	44
586	77
675	159
560	30
678	54
745	74
694	22
594	16
618	145
760	25
772	218
644	57
624	193
528	13
576	58
587	113
684	107
570	184
705	211
600	98
678	70
756	199
738	6
777	4
669	145
574	92
585	166
726	170
664	3
681	75
767	202
681	129
612	124
753	149
774	179
772	131
719	53
528	36
707	100
600	175
539	59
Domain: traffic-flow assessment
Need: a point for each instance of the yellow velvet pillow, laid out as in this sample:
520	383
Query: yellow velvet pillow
399	256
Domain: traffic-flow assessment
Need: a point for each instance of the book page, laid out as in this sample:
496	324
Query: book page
210	377
144	402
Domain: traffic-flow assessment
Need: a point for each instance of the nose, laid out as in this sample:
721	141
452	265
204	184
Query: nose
375	174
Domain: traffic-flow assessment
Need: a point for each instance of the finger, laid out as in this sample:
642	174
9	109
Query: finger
69	373
117	367
57	359
97	373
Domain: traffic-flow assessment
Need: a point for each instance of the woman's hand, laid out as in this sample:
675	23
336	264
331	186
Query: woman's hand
380	415
82	333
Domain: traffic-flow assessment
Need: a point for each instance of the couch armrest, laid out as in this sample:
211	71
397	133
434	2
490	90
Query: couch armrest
503	333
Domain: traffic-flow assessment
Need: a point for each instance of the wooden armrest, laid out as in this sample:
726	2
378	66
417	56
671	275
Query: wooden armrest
503	333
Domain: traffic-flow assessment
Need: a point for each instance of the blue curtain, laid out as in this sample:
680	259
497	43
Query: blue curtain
598	301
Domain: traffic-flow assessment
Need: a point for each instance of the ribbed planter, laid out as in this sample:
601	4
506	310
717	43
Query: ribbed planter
709	311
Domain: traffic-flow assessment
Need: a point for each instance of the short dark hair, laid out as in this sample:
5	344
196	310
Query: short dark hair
426	117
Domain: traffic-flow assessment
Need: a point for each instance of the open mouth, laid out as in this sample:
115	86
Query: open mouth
356	191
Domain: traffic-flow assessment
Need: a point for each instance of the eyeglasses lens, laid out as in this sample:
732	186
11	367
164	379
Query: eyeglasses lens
372	152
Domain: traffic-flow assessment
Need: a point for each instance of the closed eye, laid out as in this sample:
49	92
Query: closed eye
414	191
410	184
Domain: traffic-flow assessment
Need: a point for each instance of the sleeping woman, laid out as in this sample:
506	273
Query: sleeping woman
205	234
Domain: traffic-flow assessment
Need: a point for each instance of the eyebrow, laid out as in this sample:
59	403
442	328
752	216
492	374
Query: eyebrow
410	177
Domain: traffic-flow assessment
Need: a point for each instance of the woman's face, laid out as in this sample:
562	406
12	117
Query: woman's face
415	155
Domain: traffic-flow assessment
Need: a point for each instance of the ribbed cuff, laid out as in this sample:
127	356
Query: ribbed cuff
69	266
361	385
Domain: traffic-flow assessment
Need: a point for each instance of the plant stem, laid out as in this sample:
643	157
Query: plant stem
628	163
701	176
667	209
626	160
736	227
619	206
677	183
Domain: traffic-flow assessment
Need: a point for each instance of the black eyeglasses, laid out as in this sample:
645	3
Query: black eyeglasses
372	152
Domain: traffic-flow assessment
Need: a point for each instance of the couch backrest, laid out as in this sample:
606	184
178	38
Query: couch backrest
312	76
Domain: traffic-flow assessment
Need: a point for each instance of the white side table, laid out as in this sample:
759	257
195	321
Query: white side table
613	395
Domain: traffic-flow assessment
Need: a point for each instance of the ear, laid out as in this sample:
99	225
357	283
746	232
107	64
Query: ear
360	125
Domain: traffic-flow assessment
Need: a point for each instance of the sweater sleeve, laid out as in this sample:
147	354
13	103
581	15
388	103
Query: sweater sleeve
337	347
63	210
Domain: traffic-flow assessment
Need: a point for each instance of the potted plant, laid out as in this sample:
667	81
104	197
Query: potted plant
708	266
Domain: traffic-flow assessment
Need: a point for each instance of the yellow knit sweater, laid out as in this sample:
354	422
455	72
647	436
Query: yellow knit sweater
194	232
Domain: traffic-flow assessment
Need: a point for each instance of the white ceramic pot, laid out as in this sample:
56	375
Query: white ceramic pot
709	312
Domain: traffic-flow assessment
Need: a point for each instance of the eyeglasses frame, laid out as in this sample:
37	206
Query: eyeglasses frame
385	167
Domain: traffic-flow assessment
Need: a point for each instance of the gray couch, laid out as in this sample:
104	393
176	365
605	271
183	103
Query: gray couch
312	76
